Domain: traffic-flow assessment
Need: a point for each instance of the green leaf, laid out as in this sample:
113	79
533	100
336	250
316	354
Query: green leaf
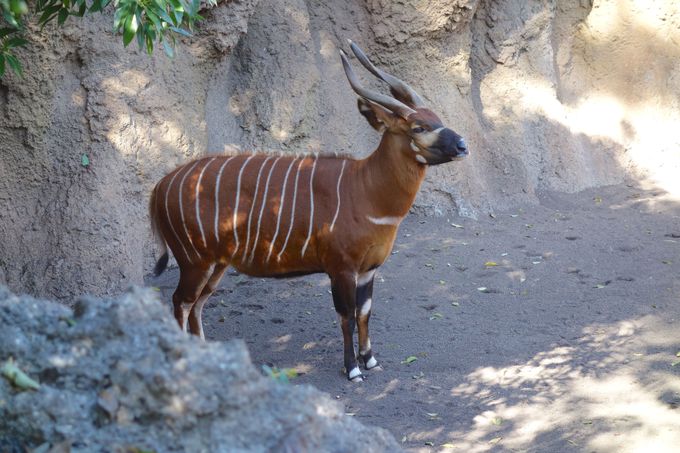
181	31
169	50
48	14
130	29
7	31
2	65
14	64
63	15
141	34
84	160
409	360
154	19
163	14
18	377
16	42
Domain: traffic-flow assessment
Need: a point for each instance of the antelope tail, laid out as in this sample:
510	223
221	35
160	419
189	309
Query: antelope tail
162	262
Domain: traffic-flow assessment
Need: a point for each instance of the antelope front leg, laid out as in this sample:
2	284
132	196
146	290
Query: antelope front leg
363	313
344	286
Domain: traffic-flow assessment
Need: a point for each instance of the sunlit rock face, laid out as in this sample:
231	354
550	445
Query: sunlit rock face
549	95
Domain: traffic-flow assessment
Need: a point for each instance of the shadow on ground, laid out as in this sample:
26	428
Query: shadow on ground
548	328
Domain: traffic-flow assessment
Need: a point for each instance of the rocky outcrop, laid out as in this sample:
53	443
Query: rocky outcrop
118	375
550	94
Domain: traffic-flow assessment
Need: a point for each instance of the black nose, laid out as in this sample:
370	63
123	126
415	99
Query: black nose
461	146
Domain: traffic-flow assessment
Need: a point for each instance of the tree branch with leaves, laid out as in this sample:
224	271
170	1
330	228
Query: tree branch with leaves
151	22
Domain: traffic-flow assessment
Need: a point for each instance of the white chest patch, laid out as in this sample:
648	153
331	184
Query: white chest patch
387	220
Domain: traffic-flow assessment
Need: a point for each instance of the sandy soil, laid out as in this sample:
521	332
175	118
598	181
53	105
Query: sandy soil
547	328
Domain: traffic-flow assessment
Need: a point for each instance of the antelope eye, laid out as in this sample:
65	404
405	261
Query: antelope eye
418	130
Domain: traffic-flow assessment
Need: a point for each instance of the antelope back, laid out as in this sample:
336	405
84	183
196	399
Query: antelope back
263	214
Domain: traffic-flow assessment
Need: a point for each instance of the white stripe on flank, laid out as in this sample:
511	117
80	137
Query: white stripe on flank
217	198
252	207
311	206
238	196
198	211
337	190
292	211
264	200
181	207
278	219
385	220
167	214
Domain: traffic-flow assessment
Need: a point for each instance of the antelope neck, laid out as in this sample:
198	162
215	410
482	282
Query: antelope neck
392	176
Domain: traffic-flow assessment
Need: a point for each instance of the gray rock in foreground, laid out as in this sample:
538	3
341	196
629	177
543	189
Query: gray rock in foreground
117	375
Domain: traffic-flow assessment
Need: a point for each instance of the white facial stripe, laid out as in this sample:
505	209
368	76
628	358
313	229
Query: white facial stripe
292	211
414	147
428	139
278	218
388	220
311	207
181	208
264	201
252	207
167	214
337	190
198	210
421	159
217	197
355	372
366	307
238	196
372	363
365	277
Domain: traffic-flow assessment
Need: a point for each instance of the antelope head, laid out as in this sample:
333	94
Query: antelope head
405	113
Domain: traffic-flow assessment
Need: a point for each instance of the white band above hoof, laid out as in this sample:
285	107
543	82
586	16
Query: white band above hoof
372	363
355	375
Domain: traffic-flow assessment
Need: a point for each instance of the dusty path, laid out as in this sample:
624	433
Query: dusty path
568	348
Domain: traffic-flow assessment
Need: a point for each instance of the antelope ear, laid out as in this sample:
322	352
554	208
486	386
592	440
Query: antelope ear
377	116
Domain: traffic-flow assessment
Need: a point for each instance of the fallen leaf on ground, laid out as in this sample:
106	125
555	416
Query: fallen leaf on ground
436	316
410	359
495	440
491	264
448	445
498	421
17	377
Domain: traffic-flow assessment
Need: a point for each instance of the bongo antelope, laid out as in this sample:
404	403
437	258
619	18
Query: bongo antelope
271	215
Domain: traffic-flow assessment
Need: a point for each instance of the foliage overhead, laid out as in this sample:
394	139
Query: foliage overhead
149	21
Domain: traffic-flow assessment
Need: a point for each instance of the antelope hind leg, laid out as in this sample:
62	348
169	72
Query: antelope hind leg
195	315
191	282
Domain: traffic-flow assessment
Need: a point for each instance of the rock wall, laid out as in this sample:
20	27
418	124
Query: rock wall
550	94
118	375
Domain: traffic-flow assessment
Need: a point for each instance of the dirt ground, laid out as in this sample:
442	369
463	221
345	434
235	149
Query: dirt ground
547	328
